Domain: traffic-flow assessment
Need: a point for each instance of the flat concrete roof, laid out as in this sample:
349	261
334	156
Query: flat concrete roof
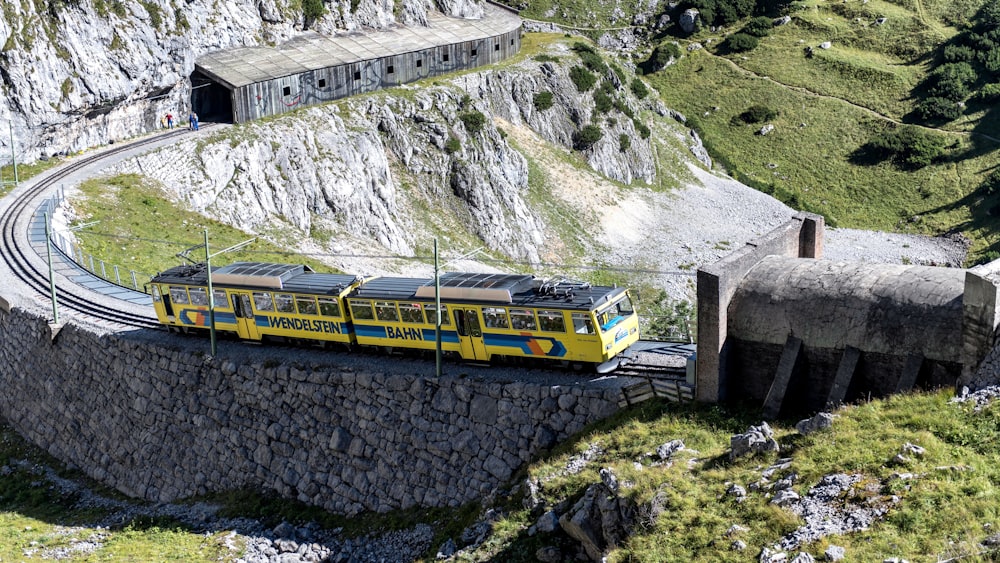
312	51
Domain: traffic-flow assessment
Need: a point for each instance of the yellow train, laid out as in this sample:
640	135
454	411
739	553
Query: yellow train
483	316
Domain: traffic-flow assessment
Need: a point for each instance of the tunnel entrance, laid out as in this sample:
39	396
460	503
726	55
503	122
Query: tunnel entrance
210	100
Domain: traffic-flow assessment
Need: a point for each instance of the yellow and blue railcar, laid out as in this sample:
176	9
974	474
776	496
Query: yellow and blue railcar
483	316
497	315
256	300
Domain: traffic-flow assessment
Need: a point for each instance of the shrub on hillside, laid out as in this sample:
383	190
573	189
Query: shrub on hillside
586	137
907	146
624	142
452	145
602	101
952	81
312	9
959	54
723	12
935	109
759	26
740	42
991	59
473	121
757	114
639	88
990	92
661	56
543	58
641	127
543	101
593	62
583	78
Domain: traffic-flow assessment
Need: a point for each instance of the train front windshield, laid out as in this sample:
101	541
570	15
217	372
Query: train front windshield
616	313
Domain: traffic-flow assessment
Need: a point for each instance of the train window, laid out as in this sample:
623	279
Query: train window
616	313
432	316
625	307
495	317
262	301
306	304
386	311
361	310
582	324
156	293
219	296
551	321
198	296
328	307
284	303
410	313
179	295
523	319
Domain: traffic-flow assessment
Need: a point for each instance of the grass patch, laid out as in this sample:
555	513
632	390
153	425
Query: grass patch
941	514
140	229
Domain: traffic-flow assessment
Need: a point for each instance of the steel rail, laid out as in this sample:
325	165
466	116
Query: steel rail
22	259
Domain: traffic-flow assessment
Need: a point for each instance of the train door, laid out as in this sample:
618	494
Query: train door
168	308
246	323
470	334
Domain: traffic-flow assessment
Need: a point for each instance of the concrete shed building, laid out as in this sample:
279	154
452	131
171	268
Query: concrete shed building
248	83
781	327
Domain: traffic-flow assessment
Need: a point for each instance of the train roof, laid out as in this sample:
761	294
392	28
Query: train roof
260	275
502	289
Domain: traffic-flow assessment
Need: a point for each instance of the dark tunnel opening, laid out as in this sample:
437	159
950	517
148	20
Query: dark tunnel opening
210	100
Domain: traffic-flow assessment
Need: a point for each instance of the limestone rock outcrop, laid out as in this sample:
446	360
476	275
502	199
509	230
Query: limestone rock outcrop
81	74
369	170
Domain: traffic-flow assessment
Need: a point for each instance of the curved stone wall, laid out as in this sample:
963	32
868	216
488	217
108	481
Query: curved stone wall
161	421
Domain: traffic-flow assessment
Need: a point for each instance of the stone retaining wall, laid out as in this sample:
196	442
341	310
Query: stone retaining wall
162	422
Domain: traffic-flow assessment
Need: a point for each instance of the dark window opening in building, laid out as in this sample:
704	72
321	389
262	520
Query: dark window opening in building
286	91
357	75
420	63
446	57
496	47
474	52
391	69
322	83
511	41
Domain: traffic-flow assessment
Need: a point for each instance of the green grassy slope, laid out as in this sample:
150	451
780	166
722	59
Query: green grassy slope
831	103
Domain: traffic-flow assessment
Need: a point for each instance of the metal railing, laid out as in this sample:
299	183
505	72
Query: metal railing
112	273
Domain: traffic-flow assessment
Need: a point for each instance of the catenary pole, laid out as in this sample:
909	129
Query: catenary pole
437	309
211	295
52	282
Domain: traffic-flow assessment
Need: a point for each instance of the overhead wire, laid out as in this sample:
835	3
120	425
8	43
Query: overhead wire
416	258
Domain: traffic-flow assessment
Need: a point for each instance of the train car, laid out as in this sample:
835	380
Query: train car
485	316
256	300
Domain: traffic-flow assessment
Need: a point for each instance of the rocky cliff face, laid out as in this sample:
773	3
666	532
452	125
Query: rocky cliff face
81	73
385	172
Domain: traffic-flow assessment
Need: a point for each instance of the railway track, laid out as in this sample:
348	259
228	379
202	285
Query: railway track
655	363
29	266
